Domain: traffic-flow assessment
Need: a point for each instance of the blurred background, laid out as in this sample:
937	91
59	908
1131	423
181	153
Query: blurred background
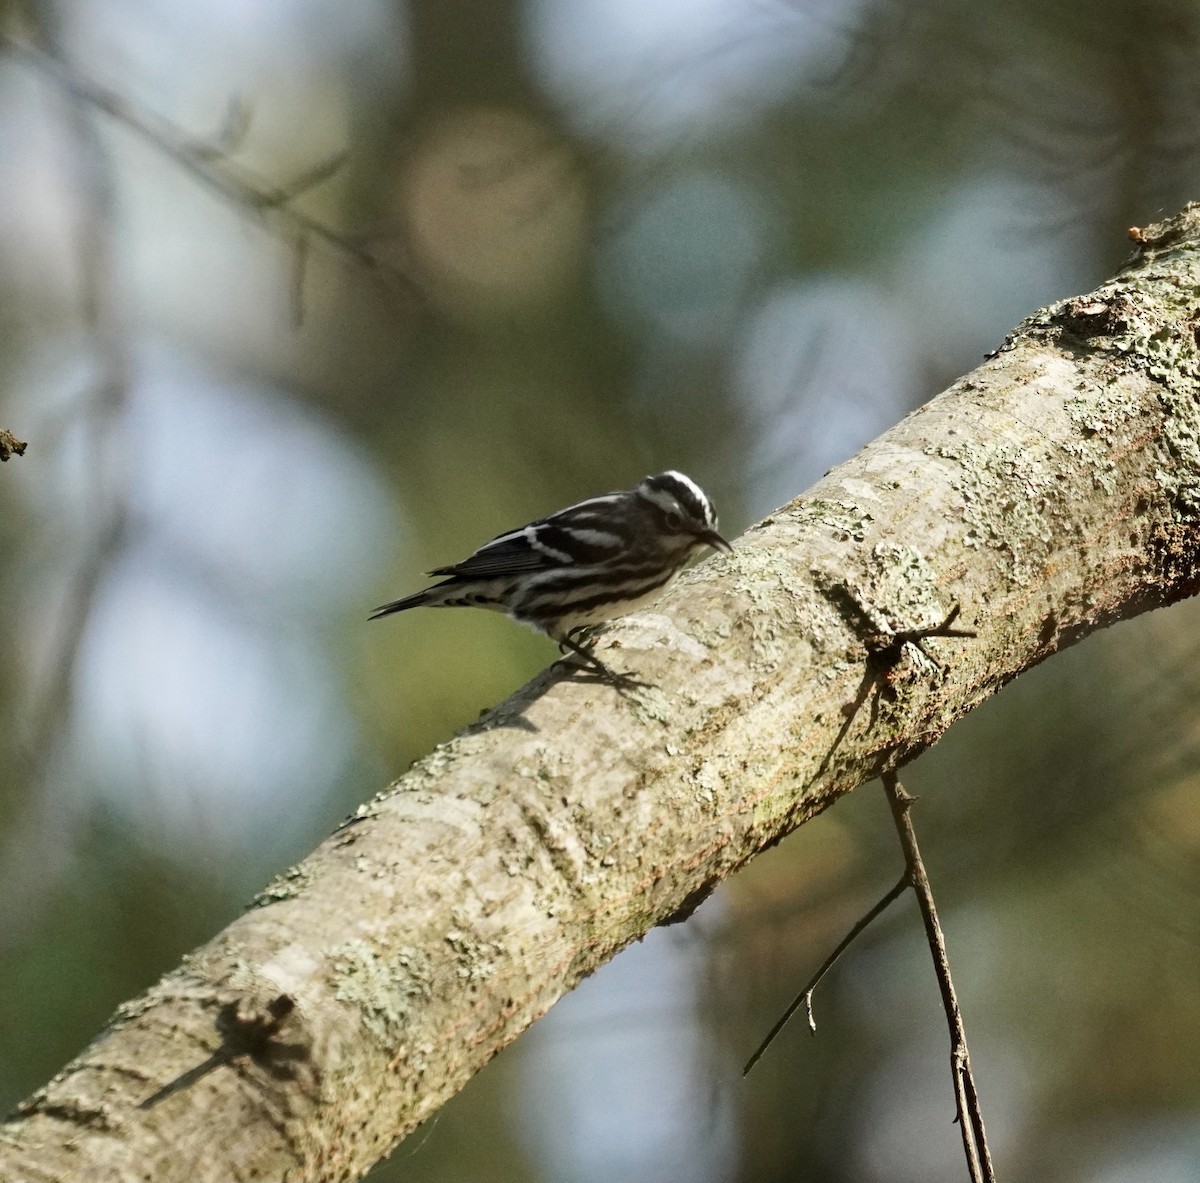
300	298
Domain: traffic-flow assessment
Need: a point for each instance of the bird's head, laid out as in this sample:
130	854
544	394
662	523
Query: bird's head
683	513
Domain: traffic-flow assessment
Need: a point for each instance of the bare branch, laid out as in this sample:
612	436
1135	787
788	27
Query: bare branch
805	995
102	411
970	1115
210	163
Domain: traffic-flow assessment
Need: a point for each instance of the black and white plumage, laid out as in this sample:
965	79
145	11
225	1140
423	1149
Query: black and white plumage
584	565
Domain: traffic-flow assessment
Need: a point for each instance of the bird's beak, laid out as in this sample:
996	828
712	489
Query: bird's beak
713	539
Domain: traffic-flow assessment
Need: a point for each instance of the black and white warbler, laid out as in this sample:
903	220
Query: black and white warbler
586	564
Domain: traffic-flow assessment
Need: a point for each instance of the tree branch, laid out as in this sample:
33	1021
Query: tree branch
1051	492
211	165
970	1114
805	995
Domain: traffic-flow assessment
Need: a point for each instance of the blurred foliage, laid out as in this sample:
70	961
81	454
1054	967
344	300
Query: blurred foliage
570	243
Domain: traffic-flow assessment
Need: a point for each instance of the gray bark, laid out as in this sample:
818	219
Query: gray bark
1054	490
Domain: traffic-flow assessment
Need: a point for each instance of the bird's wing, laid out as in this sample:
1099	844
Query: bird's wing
507	555
580	533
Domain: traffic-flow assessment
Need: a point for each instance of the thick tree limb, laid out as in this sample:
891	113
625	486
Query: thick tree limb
1051	492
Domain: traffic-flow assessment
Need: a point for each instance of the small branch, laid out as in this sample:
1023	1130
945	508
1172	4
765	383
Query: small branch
209	163
101	308
230	134
970	1117
24	856
805	995
317	175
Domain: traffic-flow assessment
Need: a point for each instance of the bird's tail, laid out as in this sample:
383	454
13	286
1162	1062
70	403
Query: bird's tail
447	594
413	601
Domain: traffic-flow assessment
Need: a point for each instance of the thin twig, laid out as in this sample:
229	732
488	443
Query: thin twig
970	1116
31	846
805	995
209	163
104	413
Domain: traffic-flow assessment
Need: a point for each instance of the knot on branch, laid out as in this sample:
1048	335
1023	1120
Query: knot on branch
1098	315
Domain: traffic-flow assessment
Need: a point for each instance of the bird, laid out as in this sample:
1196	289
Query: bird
589	563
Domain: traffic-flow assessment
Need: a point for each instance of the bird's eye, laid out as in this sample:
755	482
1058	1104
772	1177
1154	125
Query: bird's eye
674	520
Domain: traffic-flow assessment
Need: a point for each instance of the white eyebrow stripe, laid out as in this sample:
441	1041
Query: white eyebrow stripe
690	484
